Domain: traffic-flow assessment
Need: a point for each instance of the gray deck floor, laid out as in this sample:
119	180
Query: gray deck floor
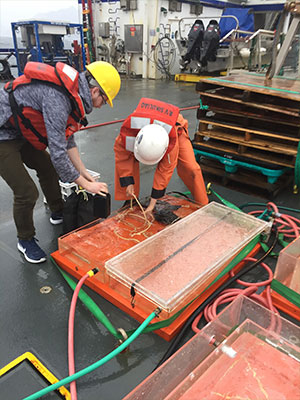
31	321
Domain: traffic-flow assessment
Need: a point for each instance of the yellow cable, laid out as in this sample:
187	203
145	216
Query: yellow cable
139	204
134	232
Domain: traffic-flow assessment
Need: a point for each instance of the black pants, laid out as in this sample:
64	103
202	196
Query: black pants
13	155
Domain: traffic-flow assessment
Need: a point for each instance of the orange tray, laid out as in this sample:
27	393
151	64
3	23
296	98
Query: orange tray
284	305
137	313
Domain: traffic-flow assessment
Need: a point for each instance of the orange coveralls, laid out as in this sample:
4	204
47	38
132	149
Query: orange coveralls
181	156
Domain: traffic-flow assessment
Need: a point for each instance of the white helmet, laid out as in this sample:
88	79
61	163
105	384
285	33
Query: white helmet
151	144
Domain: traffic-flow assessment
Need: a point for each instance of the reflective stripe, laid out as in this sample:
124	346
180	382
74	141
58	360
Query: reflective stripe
129	143
164	125
139	123
70	72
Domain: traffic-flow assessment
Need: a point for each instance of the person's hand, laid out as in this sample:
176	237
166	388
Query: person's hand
149	214
97	188
88	176
130	191
149	210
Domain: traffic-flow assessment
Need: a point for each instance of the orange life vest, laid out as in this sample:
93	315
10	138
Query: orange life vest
150	111
30	122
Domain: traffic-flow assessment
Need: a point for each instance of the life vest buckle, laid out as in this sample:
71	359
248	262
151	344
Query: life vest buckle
9	87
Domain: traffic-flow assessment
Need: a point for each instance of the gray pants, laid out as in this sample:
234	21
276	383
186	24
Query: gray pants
13	155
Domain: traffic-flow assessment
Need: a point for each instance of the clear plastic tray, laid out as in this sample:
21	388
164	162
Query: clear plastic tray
93	244
169	268
256	369
288	266
256	355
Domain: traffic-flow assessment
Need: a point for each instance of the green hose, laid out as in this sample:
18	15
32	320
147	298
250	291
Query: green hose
97	364
90	304
264	204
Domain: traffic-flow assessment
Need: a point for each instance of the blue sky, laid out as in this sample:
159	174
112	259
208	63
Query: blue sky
51	10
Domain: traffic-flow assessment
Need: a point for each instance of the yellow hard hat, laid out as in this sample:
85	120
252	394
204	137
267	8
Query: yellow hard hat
108	78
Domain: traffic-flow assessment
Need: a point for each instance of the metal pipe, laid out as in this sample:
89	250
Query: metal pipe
260	32
123	119
234	31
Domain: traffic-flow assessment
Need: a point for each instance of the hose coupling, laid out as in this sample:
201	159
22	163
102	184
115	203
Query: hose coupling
93	272
228	350
157	311
124	338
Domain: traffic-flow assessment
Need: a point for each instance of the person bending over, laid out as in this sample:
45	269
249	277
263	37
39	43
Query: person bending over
156	133
43	108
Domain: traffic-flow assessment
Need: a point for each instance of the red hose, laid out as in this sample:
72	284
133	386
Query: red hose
289	226
102	124
228	295
122	120
291	221
71	335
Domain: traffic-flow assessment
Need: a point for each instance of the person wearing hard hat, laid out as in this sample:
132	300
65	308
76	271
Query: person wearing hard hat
43	108
156	133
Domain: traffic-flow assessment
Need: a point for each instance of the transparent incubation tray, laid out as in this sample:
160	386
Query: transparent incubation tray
257	369
256	356
90	246
170	268
288	266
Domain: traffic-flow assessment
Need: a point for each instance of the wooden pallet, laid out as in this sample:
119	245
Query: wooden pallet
250	115
243	180
229	95
252	118
281	95
246	151
263	146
